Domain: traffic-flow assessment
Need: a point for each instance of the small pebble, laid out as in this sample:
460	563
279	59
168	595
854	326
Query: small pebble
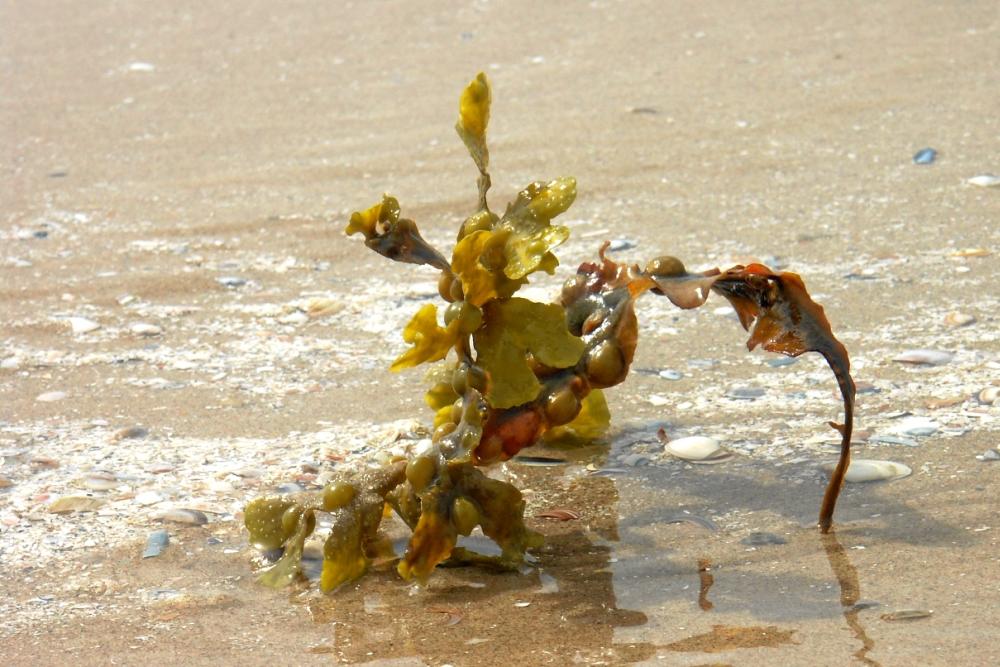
746	393
670	374
148	498
81	325
68	504
957	319
295	317
156	543
925	156
636	460
617	245
145	329
989	455
129	433
927	357
289	487
51	396
190	517
892	440
100	483
918	426
985	181
5	482
778	362
763	539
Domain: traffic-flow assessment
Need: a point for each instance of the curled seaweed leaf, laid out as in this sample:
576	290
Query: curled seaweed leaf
478	262
528	222
394	237
430	342
473	117
784	319
356	519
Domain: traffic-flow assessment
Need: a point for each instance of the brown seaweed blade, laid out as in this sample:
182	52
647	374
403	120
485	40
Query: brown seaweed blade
785	319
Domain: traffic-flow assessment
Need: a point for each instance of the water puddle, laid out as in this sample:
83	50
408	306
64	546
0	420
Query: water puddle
632	569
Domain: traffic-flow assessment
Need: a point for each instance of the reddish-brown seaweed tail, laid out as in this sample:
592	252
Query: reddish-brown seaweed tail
781	317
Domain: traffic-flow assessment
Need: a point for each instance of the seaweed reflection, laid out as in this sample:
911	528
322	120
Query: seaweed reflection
705	580
565	610
850	593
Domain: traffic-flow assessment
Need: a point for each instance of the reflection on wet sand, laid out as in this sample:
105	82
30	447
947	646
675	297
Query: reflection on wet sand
727	638
705	581
525	617
850	593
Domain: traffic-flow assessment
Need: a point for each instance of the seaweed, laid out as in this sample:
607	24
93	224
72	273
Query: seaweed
512	372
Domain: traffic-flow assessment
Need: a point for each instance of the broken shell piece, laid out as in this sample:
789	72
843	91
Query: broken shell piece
145	329
81	325
906	615
930	357
68	504
190	517
697	449
958	319
869	470
985	180
156	543
319	307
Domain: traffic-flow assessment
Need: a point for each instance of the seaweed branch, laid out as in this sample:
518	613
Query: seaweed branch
512	372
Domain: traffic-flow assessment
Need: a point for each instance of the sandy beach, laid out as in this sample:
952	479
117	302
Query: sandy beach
184	325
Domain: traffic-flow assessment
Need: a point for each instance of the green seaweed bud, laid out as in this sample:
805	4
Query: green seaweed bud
338	495
443	430
464	515
469	316
445	283
264	519
606	364
665	266
561	407
420	471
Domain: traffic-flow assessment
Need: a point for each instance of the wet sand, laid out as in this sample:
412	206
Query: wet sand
152	154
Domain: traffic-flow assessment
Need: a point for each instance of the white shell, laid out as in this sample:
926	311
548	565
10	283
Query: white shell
697	449
145	329
932	357
989	395
985	180
918	426
81	325
869	470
